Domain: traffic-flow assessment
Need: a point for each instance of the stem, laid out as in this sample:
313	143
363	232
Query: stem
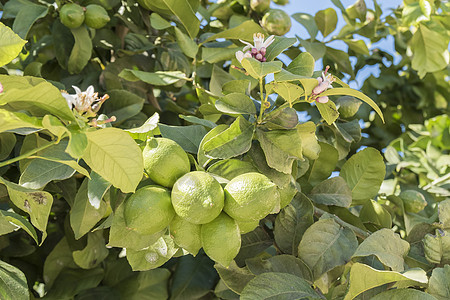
263	107
358	232
437	181
27	154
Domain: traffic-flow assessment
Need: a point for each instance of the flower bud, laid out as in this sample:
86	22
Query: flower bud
323	99
254	51
321	87
259	56
263	51
1	88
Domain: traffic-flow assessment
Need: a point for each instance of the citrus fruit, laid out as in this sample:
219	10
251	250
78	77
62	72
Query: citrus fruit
413	201
250	197
197	197
149	210
186	234
221	239
260	6
96	16
165	161
287	194
72	15
276	22
247	226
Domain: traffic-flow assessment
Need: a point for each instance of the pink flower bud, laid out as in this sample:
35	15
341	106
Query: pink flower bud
323	99
321	87
1	88
259	56
264	59
254	51
320	80
262	51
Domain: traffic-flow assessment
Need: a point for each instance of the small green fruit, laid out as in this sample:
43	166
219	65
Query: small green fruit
413	201
260	6
72	15
276	22
96	16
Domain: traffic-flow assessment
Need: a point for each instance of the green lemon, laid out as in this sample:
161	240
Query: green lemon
221	239
287	194
72	15
246	227
276	22
197	197
149	210
413	201
186	234
260	6
165	161
96	16
250	197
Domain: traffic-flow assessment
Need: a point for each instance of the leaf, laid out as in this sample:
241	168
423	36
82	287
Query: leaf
230	168
439	284
142	132
358	46
97	187
356	94
252	244
317	49
244	31
13	283
27	15
341	59
114	155
10	121
236	104
373	214
410	294
94	252
387	246
10	45
258	69
363	278
159	78
214	55
302	65
364	172
235	278
328	111
322	167
437	247
234	141
292	222
58	259
158	22
188	137
310	145
122	104
7	143
146	285
283	263
183	10
81	51
278	286
83	215
284	118
308	22
10	221
236	86
187	45
430	53
326	21
288	91
332	191
277	47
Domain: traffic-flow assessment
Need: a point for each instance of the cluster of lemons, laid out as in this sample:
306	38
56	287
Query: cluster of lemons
73	15
194	206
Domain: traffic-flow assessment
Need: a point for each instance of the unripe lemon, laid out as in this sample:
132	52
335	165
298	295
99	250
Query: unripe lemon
96	16
276	22
250	197
246	227
221	239
413	201
165	161
260	6
72	15
186	234
149	210
197	197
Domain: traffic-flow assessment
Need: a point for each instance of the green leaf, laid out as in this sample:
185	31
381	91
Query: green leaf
322	167
341	59
97	187
214	55
278	286
302	65
277	47
410	294
288	91
310	145
333	191
81	52
356	94
83	215
430	53
122	104
145	285
58	259
235	278
364	172
373	214
187	45
10	45
183	10
236	86
444	213
292	222
285	118
18	121
7	143
326	245
114	155
160	78
26	16
94	252
437	247
142	132
233	141
230	168
317	49
13	284
439	284
326	21
387	246
258	69
358	46
308	22
244	31
283	263
158	22
328	111
363	278
10	221
188	137
202	159
236	104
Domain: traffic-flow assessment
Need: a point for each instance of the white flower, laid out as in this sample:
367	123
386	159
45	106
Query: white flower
82	101
241	55
324	82
258	50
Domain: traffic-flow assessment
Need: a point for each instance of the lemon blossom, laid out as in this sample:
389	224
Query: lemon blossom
324	84
258	50
1	88
84	101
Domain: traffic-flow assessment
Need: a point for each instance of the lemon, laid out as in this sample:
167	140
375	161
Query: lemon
186	234
276	22
250	197
197	197
287	194
149	210
246	227
96	16
221	239
413	201
72	15
165	161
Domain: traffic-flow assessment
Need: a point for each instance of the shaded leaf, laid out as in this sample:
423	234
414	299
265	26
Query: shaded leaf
333	191
10	44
